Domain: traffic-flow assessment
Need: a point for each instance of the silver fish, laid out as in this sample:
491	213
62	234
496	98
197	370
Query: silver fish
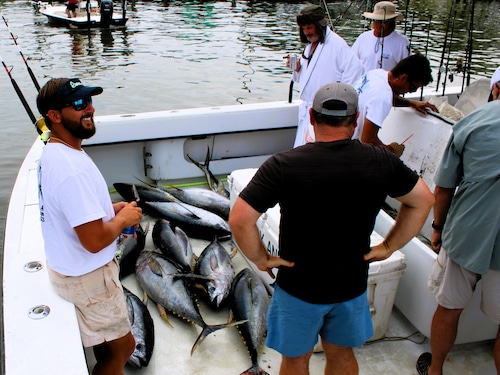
250	301
215	273
205	226
128	250
203	198
212	181
157	276
142	330
174	243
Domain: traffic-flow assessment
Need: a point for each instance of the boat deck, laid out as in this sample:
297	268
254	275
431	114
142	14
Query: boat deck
224	351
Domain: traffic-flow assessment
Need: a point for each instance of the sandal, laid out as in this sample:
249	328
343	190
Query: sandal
423	363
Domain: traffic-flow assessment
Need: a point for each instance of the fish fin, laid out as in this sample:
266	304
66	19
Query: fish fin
163	314
234	251
155	267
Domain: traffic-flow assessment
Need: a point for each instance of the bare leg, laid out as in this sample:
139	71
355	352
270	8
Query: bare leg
295	365
340	360
443	335
112	356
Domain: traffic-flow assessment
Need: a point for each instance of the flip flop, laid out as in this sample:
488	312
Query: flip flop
423	363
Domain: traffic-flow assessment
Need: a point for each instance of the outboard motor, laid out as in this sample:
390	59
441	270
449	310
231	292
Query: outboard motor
106	12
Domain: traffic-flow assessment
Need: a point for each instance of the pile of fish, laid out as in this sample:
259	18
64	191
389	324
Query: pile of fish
174	278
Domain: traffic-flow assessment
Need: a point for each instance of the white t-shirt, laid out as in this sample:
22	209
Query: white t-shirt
369	50
71	192
375	99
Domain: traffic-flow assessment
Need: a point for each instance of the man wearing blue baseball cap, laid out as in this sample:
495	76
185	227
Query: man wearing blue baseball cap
80	224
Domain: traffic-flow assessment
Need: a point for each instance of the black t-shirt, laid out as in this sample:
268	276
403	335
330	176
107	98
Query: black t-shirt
330	194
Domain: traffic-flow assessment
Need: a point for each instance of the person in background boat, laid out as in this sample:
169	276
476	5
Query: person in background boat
326	58
466	231
383	47
80	224
495	85
72	8
379	90
323	264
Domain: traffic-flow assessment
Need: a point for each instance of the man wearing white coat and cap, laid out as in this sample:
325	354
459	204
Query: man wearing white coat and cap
326	58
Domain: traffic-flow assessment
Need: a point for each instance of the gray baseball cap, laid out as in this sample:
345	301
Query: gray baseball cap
336	99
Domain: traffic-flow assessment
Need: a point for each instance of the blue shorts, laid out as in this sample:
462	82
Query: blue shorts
293	325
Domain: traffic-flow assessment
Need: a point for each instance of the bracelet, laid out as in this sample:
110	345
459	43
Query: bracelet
434	226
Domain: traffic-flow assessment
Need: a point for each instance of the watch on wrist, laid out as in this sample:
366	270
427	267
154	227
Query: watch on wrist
437	227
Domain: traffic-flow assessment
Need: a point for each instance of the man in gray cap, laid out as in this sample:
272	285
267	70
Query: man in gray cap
80	224
324	247
326	58
383	47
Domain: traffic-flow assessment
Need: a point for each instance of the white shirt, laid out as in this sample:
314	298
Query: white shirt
72	192
375	99
389	50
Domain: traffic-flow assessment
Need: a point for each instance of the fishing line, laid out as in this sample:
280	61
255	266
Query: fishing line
33	78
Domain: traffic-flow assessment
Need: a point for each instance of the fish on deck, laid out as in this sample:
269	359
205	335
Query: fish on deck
195	221
157	276
174	243
250	301
142	330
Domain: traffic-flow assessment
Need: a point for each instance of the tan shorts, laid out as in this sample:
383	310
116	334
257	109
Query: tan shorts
101	307
454	286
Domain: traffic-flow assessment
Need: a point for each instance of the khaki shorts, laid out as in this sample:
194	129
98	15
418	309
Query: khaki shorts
454	286
101	307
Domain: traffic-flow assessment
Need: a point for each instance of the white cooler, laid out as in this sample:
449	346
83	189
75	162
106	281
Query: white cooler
383	276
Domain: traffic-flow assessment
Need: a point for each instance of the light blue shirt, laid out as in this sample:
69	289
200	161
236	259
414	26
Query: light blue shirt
471	235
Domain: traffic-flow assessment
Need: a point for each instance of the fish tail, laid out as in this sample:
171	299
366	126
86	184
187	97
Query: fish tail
254	370
208	329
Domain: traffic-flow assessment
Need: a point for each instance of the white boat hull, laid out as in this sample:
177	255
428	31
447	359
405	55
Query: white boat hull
154	147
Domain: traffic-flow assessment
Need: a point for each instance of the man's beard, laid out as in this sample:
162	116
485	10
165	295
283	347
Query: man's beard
77	129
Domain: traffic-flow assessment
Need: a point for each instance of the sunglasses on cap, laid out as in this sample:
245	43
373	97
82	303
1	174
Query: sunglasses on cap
80	104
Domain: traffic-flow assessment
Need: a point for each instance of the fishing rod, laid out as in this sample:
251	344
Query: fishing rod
406	17
449	52
21	96
441	68
468	51
33	78
426	50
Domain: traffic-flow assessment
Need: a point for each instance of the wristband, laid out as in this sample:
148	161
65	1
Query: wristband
434	226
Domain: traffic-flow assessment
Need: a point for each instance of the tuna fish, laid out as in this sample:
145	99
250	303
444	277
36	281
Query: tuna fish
157	276
142	330
174	243
250	301
128	251
203	198
216	265
146	194
206	226
213	183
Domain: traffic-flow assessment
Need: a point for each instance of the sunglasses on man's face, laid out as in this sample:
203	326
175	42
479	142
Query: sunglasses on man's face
80	104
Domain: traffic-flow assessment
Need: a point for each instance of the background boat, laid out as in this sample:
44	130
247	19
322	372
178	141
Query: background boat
88	14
